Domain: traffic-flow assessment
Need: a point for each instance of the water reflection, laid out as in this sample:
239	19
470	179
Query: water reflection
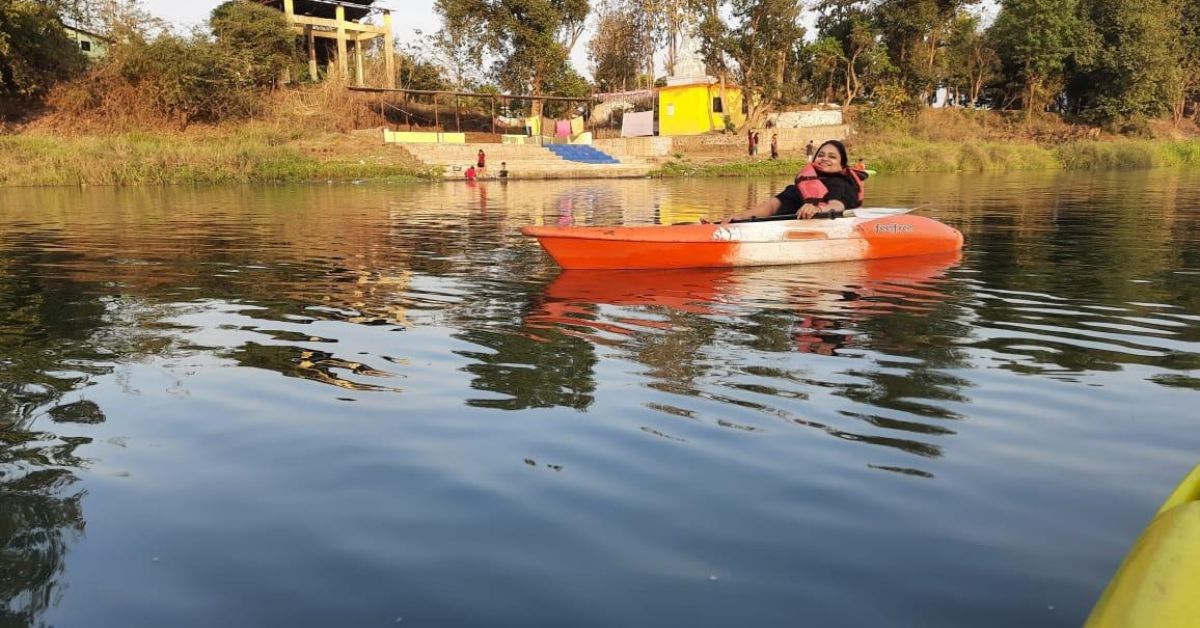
56	336
709	333
428	297
41	518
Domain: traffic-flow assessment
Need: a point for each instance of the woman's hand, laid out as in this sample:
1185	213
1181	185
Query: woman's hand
808	210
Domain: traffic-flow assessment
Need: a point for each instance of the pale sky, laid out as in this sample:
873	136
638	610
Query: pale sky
407	16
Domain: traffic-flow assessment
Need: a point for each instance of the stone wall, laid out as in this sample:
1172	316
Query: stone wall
801	119
795	139
636	146
790	140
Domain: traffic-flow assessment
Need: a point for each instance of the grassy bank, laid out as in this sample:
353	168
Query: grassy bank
242	156
918	155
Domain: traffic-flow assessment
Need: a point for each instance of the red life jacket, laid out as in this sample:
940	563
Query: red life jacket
810	185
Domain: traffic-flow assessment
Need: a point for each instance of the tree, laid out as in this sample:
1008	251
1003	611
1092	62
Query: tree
258	40
1186	84
420	65
118	19
615	50
455	53
915	32
826	60
752	46
665	23
1036	39
972	61
532	39
35	52
1137	60
856	39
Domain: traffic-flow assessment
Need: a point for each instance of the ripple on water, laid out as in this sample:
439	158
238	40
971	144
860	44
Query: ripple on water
970	440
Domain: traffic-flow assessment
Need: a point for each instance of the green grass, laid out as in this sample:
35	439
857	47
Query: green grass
147	159
1128	154
684	168
261	154
907	154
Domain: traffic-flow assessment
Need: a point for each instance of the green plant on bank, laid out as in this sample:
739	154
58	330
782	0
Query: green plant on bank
759	168
144	159
893	109
896	155
1130	154
35	51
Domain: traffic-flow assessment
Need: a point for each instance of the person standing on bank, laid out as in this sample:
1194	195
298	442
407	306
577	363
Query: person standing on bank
809	150
774	146
826	185
481	161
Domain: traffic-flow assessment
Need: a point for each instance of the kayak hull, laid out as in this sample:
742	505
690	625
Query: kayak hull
1157	583
765	243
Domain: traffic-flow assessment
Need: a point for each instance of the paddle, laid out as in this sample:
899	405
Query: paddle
861	212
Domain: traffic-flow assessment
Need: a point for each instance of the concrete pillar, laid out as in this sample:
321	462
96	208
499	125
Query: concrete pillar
389	52
289	9
312	53
343	58
358	62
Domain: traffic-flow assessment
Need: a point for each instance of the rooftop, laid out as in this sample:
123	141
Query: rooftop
355	10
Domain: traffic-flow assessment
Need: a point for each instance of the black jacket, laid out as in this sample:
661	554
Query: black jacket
840	188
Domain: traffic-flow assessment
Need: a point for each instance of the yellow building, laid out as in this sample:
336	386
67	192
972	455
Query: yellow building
695	108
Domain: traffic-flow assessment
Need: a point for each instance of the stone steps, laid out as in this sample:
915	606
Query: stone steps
523	162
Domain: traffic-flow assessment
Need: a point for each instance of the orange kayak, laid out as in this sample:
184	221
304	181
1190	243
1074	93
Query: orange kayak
762	243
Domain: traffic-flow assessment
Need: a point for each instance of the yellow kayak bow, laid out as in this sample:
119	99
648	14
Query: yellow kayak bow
1158	584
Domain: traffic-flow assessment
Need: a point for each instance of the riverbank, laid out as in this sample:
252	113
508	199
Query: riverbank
246	155
895	155
265	154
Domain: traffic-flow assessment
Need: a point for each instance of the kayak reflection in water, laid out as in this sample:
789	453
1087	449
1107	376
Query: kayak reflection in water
827	184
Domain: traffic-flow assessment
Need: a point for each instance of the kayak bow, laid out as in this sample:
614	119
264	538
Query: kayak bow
873	234
1157	584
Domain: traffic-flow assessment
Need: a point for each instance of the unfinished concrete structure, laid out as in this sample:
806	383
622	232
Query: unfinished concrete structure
343	22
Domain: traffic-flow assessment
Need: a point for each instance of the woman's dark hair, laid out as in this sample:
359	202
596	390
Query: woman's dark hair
841	149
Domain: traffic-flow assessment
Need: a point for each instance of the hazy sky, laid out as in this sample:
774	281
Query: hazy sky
407	16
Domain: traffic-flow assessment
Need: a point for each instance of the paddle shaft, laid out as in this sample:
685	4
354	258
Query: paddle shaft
836	213
862	212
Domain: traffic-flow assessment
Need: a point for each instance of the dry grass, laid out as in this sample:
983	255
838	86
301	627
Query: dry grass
251	153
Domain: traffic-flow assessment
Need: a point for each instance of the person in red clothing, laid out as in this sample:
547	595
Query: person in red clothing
481	160
470	173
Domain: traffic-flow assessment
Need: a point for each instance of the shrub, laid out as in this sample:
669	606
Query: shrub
256	39
892	108
172	78
35	52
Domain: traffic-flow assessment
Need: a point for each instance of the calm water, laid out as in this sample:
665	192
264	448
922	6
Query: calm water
366	404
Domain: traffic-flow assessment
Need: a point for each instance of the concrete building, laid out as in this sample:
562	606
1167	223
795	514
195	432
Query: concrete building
332	27
92	46
692	102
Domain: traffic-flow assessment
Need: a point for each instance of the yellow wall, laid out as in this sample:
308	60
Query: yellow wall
687	109
416	137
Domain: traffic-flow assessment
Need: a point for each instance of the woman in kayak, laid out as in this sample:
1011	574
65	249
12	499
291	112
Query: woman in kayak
826	184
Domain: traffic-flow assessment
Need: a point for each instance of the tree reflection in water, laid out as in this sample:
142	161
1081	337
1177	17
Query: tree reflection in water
683	324
40	519
52	340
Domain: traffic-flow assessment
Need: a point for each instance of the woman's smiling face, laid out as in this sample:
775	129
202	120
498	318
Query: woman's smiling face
828	159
